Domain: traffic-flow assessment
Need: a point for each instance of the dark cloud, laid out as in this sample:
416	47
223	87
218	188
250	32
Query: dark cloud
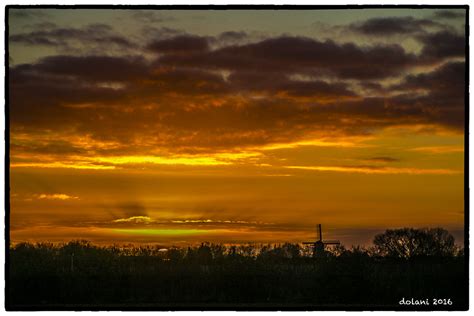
259	82
97	34
180	44
192	98
319	89
302	55
440	41
448	79
383	159
88	68
232	36
388	26
442	45
195	106
443	94
40	92
183	110
51	147
37	38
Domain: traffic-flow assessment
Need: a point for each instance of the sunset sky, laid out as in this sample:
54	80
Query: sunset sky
182	126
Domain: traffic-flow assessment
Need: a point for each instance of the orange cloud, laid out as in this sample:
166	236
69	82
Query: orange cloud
56	164
377	170
134	219
440	149
59	196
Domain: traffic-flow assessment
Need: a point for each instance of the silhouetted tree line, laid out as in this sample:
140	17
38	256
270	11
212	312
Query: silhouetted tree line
405	262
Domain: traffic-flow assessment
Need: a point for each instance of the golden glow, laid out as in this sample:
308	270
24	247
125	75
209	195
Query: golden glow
188	161
112	162
218	159
316	143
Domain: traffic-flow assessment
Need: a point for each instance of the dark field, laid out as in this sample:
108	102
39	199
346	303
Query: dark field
80	276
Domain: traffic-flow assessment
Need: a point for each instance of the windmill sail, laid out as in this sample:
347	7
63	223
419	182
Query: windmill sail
318	245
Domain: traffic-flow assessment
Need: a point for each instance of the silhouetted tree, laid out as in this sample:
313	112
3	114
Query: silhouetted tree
291	251
204	254
409	243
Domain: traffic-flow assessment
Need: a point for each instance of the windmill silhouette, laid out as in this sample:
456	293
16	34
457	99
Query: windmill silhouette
320	244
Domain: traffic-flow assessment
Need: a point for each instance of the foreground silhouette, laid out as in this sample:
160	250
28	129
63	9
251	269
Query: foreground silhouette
406	263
